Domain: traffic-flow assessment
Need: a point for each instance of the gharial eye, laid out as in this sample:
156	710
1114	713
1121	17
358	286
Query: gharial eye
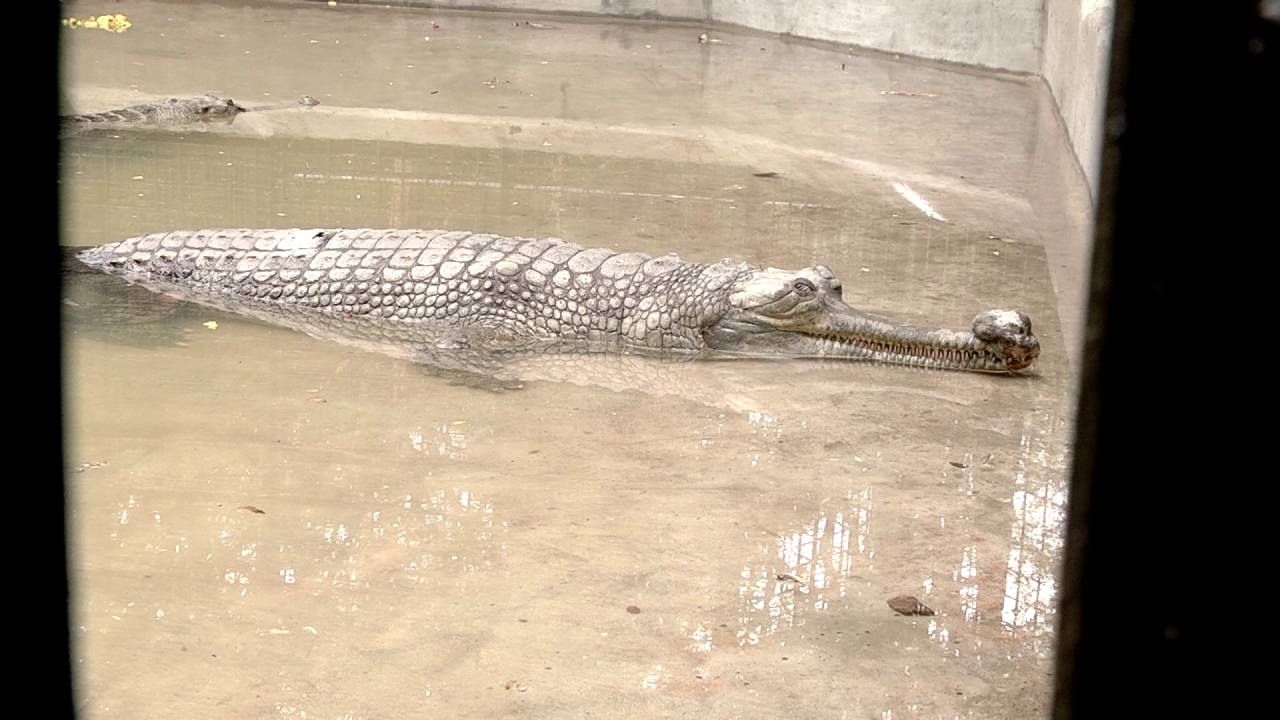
803	287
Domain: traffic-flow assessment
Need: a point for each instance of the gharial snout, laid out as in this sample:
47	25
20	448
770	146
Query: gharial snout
1008	335
1023	354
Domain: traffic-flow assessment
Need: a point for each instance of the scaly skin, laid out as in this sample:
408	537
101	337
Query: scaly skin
512	289
174	111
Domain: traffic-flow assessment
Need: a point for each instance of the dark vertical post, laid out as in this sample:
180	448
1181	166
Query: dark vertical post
1183	242
37	588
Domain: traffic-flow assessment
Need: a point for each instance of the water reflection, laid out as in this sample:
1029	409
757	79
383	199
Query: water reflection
1036	536
808	569
448	439
408	538
1029	564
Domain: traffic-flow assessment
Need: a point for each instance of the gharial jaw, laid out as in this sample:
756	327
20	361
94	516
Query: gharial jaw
802	314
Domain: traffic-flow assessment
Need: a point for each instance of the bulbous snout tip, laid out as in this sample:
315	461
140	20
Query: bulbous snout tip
1008	334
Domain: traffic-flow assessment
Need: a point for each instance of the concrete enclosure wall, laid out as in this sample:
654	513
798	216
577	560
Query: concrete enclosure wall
1065	41
1002	34
1077	46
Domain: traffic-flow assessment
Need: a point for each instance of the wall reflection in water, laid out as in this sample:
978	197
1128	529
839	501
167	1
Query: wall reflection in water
1010	591
809	568
1027	576
407	538
446	439
1036	537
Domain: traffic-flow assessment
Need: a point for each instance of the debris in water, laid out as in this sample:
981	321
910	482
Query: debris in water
318	400
903	93
515	684
539	26
633	609
909	605
704	38
89	466
769	174
435	25
254	510
960	465
111	23
212	324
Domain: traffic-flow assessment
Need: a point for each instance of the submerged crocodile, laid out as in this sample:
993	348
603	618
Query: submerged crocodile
174	111
466	289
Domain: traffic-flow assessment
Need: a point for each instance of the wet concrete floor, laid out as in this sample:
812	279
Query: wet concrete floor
269	525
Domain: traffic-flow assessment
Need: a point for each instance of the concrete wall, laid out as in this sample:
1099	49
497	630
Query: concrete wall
1077	43
1002	34
1065	41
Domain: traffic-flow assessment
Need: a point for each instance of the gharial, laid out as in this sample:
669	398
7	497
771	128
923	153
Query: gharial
174	111
547	291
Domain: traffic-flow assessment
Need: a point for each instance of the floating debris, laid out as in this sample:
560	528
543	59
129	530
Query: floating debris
212	324
769	174
633	609
904	93
909	605
788	577
89	466
960	465
117	23
254	510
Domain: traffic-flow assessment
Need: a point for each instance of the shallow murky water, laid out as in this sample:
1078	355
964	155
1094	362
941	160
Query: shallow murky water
267	524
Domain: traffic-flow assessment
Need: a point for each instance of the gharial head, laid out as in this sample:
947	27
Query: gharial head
212	107
802	313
